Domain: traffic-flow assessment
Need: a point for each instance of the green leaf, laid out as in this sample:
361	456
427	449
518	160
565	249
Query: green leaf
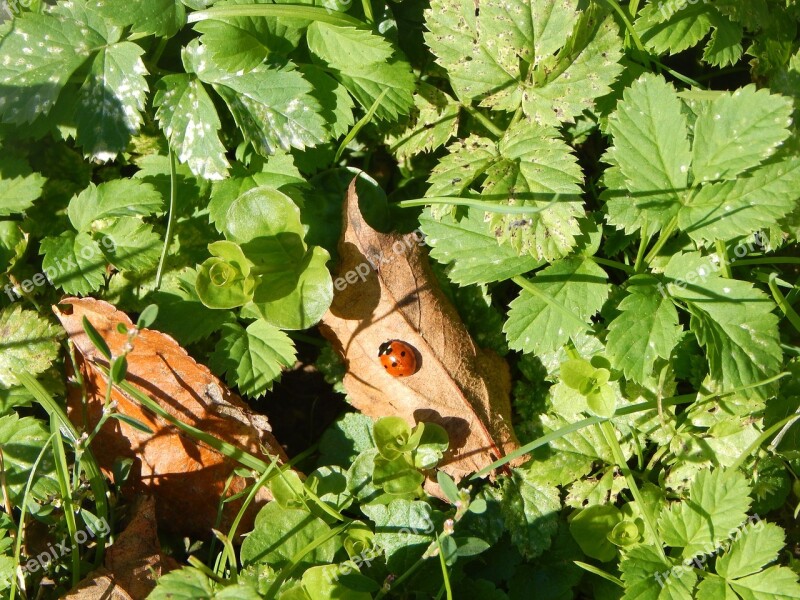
718	503
774	582
725	46
651	152
647	328
73	262
131	245
189	582
731	209
738	131
591	528
537	169
280	534
329	582
674	27
337	105
433	122
366	64
161	18
755	546
188	117
117	198
732	320
391	436
547	56
111	101
254	357
13	243
22	440
19	185
273	108
224	280
465	162
530	510
403	529
648	577
569	293
38	56
28	343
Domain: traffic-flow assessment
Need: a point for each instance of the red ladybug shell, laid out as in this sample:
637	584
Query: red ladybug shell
398	358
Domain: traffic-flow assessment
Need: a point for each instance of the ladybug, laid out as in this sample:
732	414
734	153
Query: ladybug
398	358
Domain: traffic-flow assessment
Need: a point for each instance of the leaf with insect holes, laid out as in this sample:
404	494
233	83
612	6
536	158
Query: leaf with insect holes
457	385
273	107
254	357
650	156
111	101
467	245
738	131
733	321
28	344
117	198
465	161
537	169
171	464
646	328
367	65
547	56
188	117
73	262
20	186
567	294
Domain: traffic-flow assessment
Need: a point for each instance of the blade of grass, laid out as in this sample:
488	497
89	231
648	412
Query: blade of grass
351	135
173	193
62	475
296	11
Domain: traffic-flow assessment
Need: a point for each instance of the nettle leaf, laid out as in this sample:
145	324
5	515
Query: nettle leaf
732	320
468	246
161	18
717	504
738	131
647	328
530	510
254	357
536	169
567	294
274	108
650	157
20	186
188	117
131	245
117	198
28	344
111	100
434	121
547	56
367	65
38	56
73	262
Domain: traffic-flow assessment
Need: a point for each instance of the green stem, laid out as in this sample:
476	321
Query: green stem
173	192
763	438
483	120
780	300
613	264
638	266
772	260
665	234
611	439
485	205
725	263
297	11
368	10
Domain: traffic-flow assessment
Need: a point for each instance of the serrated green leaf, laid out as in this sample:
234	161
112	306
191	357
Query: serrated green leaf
738	131
530	508
648	577
434	121
647	328
469	248
774	583
254	357
684	26
187	115
73	262
465	162
19	185
725	46
651	152
536	169
38	56
403	529
569	293
274	108
161	18
13	243
131	245
27	344
732	320
22	440
757	544
117	198
111	101
337	105
718	502
366	64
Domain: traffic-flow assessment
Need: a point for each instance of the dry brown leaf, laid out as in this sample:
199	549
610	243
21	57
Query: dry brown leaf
186	477
457	385
133	564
